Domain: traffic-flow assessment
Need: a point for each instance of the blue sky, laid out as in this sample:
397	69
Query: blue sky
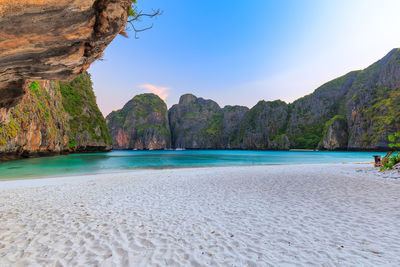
240	52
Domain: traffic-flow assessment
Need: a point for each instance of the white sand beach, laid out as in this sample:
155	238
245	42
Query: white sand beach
322	214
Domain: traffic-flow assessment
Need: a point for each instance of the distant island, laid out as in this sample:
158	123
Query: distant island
357	111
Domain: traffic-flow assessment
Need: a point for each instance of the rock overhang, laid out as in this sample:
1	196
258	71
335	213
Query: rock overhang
52	40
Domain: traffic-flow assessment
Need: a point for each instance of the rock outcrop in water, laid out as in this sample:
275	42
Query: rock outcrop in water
141	124
55	117
52	40
354	112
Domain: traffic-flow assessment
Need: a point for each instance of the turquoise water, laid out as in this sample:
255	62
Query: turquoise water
116	161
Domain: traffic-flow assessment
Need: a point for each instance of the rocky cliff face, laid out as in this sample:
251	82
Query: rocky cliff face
264	126
373	104
52	40
196	123
368	100
335	135
354	112
201	124
43	123
309	114
141	124
232	122
87	127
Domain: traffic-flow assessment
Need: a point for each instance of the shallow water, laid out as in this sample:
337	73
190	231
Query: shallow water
116	161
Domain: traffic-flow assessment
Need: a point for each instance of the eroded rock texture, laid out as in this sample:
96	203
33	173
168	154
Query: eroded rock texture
196	123
335	137
232	124
354	112
141	124
264	126
368	100
52	40
52	118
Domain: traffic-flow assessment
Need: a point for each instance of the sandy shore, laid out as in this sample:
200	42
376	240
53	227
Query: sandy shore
326	214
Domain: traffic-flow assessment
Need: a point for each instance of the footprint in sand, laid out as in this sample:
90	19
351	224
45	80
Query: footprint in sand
146	243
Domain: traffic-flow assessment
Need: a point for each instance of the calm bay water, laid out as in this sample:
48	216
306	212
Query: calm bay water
116	161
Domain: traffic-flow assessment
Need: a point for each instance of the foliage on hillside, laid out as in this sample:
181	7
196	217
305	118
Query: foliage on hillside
55	117
383	113
84	116
214	127
144	122
356	111
309	138
38	110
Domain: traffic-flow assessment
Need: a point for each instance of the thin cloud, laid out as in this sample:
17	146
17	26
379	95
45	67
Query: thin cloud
162	92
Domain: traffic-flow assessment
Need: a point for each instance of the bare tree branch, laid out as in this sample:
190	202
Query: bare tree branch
140	14
138	18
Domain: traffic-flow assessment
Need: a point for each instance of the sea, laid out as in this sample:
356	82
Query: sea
121	161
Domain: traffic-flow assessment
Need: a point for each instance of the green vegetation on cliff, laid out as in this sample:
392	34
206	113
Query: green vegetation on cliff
309	138
142	105
331	121
383	113
141	124
196	123
37	111
356	111
375	102
214	127
54	117
84	116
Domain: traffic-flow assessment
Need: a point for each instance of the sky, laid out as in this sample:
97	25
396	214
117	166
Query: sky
241	52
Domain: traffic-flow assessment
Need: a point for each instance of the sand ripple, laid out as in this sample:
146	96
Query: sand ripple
331	215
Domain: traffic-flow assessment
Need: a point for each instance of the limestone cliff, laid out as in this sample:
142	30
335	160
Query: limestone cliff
354	112
54	117
232	122
196	123
141	124
335	136
264	126
372	106
368	100
88	130
52	40
309	114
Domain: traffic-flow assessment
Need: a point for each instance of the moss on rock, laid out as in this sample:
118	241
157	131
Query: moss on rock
141	124
55	117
